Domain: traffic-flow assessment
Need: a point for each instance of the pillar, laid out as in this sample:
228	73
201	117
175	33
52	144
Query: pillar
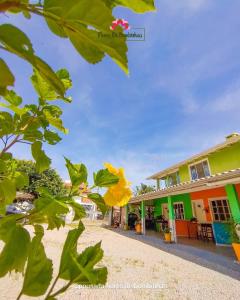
126	215
233	201
110	216
158	184
188	212
143	217
172	223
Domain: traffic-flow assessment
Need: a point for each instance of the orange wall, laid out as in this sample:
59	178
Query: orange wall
205	195
237	186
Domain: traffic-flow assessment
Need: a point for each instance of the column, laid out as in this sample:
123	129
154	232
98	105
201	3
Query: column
233	201
143	217
110	216
172	223
158	184
126	214
188	213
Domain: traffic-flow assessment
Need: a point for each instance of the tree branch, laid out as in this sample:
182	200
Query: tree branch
24	142
5	149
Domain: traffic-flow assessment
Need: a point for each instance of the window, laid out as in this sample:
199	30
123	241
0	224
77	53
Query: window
200	170
220	210
173	179
178	211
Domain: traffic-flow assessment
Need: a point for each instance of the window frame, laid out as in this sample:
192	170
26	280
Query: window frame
196	163
179	202
212	212
177	175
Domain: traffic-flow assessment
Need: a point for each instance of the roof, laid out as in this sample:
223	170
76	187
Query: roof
219	179
22	196
230	140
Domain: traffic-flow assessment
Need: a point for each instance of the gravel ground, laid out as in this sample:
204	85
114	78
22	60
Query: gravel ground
132	263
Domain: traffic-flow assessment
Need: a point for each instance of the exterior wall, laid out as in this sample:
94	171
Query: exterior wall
205	195
158	206
184	173
185	198
225	160
220	161
237	186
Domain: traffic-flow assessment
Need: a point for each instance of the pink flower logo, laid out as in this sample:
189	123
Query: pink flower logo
120	22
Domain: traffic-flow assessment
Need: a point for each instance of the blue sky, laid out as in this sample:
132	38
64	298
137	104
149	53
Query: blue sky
182	96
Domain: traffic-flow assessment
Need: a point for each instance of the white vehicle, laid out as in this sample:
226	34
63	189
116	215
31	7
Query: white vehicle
19	208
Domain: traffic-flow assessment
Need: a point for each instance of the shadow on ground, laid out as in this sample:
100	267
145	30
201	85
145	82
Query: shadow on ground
222	261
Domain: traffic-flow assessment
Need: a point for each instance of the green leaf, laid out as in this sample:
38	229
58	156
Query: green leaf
104	178
79	211
84	264
74	19
12	98
99	201
79	268
42	161
19	111
90	276
6	76
32	134
49	210
93	46
70	247
51	137
6	123
21	180
15	251
77	173
49	75
46	90
64	76
139	6
97	14
16	42
7	191
39	269
52	114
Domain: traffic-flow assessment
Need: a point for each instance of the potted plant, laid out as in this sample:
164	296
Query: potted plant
235	237
167	235
138	227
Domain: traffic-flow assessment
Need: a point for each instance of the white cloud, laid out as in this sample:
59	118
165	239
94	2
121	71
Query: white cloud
191	6
228	102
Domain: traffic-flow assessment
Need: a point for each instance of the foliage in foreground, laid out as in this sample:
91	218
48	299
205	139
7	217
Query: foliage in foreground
80	21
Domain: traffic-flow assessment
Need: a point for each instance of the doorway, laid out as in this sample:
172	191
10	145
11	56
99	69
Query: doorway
198	210
165	211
